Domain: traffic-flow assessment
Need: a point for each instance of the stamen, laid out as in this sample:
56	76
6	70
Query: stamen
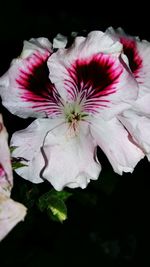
73	115
73	128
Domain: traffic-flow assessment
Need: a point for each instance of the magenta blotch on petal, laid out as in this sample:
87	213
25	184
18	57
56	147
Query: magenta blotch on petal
131	51
37	88
93	79
26	89
93	76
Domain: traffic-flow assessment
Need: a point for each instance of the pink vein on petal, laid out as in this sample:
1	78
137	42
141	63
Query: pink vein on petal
36	86
93	79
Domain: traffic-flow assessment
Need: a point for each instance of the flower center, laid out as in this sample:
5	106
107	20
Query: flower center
73	116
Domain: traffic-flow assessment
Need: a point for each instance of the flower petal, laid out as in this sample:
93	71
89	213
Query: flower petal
139	128
60	41
142	105
29	143
26	89
11	213
90	71
138	54
6	178
115	141
70	158
82	48
36	44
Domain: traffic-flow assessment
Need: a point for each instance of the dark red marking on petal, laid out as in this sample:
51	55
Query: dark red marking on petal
93	80
130	50
37	88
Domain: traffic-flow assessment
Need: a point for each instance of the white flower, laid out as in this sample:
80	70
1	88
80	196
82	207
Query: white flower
76	95
11	212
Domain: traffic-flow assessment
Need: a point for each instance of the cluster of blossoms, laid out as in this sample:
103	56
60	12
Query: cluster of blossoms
95	92
11	212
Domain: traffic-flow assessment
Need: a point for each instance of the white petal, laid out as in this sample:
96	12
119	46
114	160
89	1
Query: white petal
82	48
143	77
138	53
35	44
91	71
6	178
142	105
139	128
60	41
114	140
11	213
29	144
70	158
25	88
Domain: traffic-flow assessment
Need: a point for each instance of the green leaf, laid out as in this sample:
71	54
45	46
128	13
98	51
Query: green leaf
54	203
31	196
57	210
45	199
63	195
12	148
17	165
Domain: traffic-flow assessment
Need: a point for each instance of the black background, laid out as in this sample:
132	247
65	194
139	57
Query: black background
116	231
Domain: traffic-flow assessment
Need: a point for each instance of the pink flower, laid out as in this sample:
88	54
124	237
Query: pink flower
76	95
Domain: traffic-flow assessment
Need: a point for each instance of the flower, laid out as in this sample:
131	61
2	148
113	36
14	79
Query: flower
76	94
136	119
11	212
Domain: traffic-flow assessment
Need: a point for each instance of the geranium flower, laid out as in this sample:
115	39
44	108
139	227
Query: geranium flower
76	94
11	212
137	118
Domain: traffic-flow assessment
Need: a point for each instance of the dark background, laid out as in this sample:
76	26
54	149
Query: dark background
108	223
